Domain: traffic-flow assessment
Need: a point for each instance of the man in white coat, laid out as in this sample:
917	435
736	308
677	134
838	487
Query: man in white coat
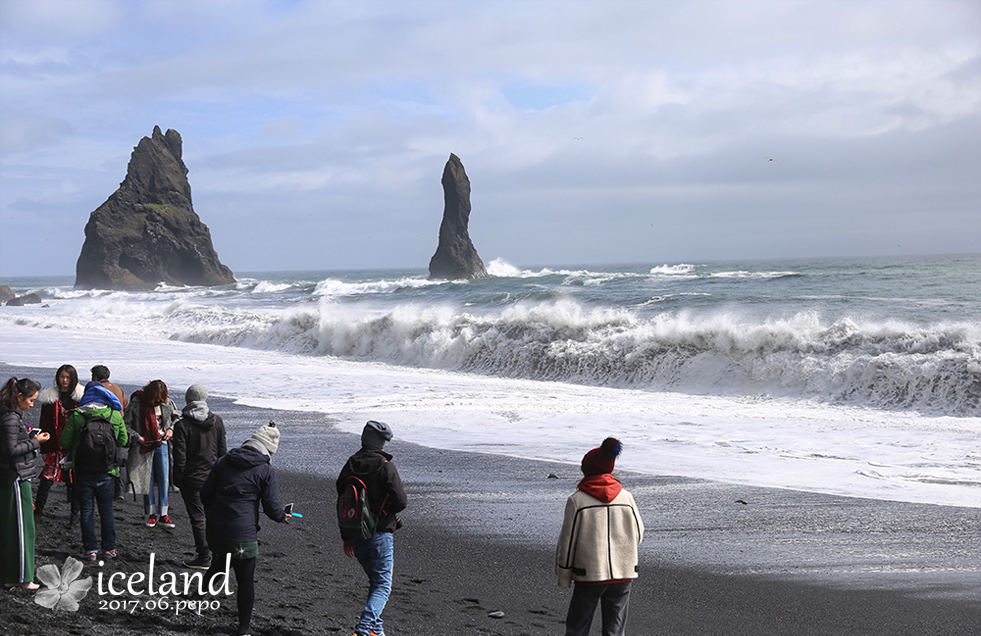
598	545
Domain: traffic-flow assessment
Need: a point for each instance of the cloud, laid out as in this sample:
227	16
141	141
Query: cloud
51	19
23	132
340	115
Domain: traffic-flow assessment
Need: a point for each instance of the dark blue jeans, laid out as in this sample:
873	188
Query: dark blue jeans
92	489
376	556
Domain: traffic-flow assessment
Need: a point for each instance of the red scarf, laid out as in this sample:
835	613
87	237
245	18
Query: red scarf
149	424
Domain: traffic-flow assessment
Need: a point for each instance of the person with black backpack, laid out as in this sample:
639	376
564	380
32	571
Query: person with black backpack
93	433
370	496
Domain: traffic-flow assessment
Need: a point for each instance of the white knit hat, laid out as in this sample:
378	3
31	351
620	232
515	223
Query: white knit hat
267	437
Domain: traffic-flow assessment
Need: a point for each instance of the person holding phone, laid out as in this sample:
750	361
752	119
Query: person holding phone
18	456
231	494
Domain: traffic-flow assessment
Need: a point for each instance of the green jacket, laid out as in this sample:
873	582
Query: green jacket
72	435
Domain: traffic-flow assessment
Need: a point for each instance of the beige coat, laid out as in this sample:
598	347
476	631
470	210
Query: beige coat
139	465
598	540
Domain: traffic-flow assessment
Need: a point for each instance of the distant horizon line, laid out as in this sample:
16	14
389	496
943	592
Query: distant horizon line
562	265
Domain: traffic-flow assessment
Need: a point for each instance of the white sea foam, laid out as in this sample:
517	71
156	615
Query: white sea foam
743	274
848	378
889	364
500	267
265	287
754	440
673	270
334	287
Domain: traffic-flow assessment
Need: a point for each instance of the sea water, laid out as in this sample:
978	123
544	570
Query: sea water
858	377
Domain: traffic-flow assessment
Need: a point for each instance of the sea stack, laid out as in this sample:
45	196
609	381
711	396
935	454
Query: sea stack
455	257
147	232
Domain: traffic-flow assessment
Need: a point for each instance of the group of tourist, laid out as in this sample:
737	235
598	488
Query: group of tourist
222	491
100	444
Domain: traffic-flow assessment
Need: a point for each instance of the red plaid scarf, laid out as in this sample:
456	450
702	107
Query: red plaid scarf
149	424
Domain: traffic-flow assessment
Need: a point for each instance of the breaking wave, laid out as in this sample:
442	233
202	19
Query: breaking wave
736	330
888	365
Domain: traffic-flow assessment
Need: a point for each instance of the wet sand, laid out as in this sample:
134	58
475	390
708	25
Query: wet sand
479	538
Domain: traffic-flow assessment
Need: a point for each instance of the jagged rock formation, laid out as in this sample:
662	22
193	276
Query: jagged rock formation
6	293
455	257
26	299
147	231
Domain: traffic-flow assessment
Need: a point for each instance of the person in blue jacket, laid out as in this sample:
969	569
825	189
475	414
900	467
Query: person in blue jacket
95	487
231	494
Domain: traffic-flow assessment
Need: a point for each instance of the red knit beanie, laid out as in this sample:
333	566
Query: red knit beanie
601	460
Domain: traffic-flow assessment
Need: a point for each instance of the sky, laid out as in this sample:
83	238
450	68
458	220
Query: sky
315	132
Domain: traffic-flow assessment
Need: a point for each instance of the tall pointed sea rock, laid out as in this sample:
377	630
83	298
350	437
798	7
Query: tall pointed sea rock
147	231
455	258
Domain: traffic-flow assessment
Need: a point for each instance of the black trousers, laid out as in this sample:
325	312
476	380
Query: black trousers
613	599
191	495
44	488
245	578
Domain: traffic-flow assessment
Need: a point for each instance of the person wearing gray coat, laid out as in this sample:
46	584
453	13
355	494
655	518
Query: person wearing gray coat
150	419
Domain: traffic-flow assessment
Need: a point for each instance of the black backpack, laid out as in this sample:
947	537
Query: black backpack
354	515
96	453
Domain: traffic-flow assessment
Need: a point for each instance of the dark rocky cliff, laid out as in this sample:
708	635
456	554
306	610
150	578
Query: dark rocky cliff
147	231
455	258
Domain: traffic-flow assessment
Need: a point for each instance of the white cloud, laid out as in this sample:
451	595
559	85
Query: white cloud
309	102
46	19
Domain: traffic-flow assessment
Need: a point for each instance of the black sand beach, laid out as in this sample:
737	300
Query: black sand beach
478	538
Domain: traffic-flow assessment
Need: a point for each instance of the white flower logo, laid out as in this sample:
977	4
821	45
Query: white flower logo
62	591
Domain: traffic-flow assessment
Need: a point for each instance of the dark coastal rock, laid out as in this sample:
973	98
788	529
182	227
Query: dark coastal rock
147	231
6	294
26	299
455	257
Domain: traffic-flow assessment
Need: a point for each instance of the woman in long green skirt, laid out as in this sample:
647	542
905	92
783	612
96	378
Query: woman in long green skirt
18	465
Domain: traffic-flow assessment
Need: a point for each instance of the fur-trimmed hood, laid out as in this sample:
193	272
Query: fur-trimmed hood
51	394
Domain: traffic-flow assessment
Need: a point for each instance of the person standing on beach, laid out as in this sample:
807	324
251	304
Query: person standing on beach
598	545
387	498
199	442
150	420
56	402
18	465
237	484
95	482
100	374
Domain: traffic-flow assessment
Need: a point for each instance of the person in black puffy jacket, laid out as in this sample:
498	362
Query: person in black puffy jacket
231	494
18	465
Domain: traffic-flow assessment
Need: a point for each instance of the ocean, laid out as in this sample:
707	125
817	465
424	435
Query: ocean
856	377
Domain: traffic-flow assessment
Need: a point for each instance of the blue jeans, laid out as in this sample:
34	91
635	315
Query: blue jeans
160	480
95	488
376	555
